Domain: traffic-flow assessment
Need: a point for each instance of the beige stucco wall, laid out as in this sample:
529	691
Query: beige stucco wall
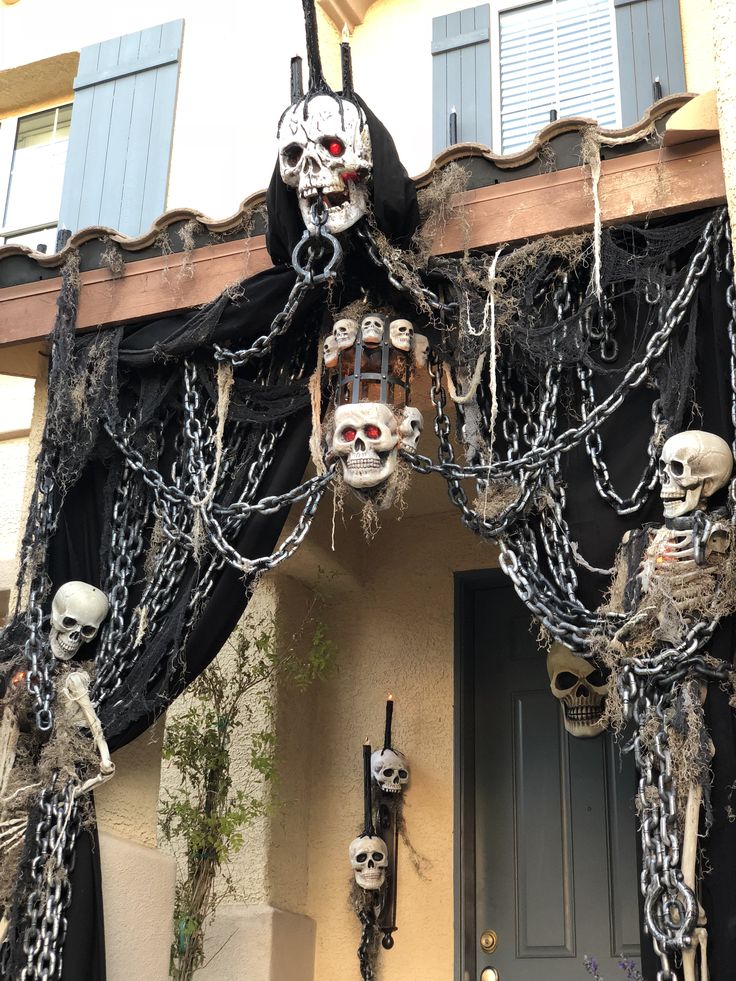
696	17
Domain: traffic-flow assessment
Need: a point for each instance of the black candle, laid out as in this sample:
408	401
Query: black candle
347	69
297	82
368	828
389	719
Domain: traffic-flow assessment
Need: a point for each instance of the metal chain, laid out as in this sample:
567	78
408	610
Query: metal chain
53	861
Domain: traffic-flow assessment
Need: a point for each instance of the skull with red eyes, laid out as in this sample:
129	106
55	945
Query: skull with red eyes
367	438
326	151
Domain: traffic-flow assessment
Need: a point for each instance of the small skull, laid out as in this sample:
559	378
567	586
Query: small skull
580	688
327	153
329	352
693	466
410	428
77	610
421	350
402	334
345	331
390	770
369	859
366	439
371	329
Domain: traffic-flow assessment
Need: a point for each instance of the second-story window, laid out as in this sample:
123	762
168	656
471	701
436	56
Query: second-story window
32	157
553	59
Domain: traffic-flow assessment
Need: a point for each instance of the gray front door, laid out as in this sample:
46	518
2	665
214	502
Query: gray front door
546	822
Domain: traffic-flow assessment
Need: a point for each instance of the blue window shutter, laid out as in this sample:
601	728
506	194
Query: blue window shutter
117	166
461	76
649	48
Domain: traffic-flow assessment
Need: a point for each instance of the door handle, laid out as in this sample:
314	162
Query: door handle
489	974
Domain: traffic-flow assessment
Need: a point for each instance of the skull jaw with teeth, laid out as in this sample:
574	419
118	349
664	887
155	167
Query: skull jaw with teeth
77	610
327	155
580	688
692	467
390	770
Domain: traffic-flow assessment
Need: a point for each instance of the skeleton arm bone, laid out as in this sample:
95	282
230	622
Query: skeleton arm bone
76	689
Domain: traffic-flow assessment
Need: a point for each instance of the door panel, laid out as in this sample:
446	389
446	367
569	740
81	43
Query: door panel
549	851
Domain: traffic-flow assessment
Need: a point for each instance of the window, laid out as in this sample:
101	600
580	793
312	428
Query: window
32	157
552	59
503	70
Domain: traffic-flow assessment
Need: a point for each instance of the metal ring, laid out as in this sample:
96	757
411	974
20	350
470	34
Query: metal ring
329	270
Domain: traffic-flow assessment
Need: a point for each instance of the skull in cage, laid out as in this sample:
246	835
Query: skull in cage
692	467
325	150
369	861
580	687
77	610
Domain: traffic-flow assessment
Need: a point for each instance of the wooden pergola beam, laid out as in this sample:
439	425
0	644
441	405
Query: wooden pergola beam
634	187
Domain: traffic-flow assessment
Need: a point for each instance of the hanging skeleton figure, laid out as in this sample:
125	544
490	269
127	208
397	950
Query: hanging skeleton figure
680	574
680	577
77	612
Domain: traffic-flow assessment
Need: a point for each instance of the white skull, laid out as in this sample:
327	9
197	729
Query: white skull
369	859
410	428
402	334
77	610
580	687
344	332
390	770
329	151
371	329
693	466
421	351
366	439
329	352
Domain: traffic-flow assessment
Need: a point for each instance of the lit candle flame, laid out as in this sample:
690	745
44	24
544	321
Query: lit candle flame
389	697
346	33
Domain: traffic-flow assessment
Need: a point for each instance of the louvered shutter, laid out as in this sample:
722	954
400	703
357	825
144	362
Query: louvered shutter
555	55
461	76
649	49
122	125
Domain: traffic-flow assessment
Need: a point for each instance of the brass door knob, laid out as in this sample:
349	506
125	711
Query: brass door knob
489	974
489	942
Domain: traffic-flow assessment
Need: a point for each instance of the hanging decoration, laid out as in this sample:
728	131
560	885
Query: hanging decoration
372	365
374	853
174	450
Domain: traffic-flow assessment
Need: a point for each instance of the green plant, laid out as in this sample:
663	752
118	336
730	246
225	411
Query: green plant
205	816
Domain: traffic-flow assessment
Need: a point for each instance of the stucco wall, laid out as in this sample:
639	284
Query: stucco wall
697	42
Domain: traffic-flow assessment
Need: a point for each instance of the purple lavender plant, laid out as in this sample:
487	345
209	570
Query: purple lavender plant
591	966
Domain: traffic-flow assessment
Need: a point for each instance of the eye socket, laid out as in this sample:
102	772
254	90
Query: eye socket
597	678
377	856
361	857
403	774
372	432
292	154
69	622
565	680
334	146
388	773
677	468
348	434
88	630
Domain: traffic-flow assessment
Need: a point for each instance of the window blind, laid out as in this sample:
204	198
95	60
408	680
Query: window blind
559	54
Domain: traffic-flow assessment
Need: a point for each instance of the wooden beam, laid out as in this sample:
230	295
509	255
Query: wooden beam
146	288
633	187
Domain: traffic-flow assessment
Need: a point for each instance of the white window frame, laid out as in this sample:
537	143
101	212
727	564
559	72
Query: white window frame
497	8
8	134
